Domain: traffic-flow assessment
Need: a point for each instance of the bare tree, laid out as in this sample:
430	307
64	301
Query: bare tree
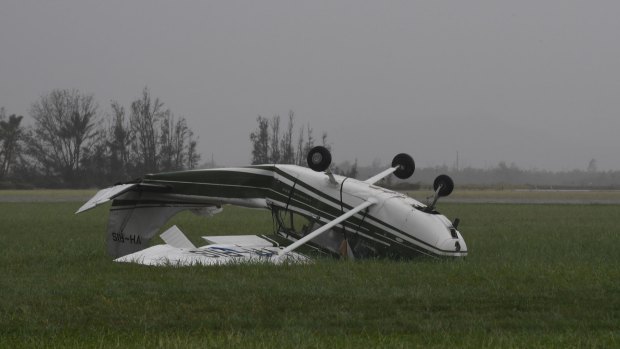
145	114
286	144
95	163
119	141
65	123
275	140
173	146
300	148
10	136
269	147
309	144
154	140
192	155
260	142
179	142
166	143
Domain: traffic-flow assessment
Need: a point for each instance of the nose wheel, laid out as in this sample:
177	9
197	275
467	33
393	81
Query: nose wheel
443	186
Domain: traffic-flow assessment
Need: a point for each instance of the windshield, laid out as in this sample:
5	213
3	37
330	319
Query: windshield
292	223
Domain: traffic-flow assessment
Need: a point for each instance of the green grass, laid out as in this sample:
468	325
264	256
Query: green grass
459	195
46	195
536	276
529	196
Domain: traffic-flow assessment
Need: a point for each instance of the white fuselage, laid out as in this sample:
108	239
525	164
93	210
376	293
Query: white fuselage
395	221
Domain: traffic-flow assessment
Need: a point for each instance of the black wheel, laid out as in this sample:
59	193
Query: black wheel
446	184
319	158
405	164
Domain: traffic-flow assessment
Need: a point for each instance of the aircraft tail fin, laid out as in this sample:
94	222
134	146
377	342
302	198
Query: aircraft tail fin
137	213
136	218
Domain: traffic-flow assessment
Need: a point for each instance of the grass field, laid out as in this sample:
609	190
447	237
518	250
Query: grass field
536	276
459	196
527	196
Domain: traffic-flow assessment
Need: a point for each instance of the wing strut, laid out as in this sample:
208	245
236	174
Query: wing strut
326	227
374	179
403	167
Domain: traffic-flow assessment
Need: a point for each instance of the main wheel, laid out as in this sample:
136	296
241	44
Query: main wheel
406	165
446	183
319	158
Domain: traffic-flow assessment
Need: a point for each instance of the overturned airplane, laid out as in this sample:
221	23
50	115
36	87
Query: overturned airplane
311	207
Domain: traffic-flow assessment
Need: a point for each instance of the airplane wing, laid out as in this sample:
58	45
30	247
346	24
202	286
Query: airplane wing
179	251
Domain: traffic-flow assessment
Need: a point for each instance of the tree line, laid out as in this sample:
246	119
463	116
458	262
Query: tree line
502	175
270	146
72	144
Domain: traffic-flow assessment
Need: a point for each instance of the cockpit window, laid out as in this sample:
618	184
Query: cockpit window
292	223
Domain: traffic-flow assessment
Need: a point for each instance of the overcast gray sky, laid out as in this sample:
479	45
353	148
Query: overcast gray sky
536	83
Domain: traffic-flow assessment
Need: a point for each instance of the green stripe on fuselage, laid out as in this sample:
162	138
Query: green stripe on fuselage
215	183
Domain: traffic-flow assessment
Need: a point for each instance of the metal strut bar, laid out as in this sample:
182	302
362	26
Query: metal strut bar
288	201
344	229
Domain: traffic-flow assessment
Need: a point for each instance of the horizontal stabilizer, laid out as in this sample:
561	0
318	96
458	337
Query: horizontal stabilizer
105	195
175	238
